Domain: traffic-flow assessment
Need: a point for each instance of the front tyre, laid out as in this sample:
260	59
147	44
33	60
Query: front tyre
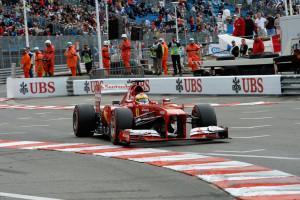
84	120
203	115
123	119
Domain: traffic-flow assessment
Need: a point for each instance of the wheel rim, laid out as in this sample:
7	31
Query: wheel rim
113	134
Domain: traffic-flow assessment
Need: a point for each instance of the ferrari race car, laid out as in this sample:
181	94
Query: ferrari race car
136	118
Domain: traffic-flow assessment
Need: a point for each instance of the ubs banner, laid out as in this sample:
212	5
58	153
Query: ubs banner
36	87
229	85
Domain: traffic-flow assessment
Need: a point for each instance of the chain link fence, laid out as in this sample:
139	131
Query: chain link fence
11	47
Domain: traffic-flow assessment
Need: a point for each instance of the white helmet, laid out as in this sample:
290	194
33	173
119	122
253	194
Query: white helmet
124	36
47	42
161	39
192	39
69	44
106	43
36	49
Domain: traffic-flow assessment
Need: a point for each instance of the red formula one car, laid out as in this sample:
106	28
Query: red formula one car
136	118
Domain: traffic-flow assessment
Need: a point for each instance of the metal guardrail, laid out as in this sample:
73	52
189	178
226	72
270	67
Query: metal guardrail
117	70
290	84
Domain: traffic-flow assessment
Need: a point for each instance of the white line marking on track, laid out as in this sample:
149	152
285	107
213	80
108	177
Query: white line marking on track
244	176
267	190
37	125
258	111
255	118
8	144
218	165
251	156
88	148
254	103
251	127
249	137
50	145
4	123
58	119
186	156
131	152
12	133
42	113
24	118
255	150
27	197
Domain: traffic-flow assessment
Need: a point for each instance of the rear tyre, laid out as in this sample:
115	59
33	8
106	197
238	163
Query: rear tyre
203	115
123	119
84	120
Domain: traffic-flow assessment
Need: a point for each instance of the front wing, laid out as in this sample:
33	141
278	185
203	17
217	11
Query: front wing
200	133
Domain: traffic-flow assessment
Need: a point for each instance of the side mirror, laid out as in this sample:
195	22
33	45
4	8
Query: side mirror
129	101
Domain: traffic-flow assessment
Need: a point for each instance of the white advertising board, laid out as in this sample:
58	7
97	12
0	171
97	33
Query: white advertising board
225	85
85	87
36	87
214	49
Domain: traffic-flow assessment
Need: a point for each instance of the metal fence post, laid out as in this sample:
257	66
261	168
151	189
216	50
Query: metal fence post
13	70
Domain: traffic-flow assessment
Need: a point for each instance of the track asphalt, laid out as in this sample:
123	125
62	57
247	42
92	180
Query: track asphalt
262	135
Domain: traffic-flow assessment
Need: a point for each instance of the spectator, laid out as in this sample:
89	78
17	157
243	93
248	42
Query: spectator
198	23
157	50
296	57
71	56
258	46
235	51
153	54
243	48
174	45
249	27
239	26
260	24
26	63
270	25
277	24
192	23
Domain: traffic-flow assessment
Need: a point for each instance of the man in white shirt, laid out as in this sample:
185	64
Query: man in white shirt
261	25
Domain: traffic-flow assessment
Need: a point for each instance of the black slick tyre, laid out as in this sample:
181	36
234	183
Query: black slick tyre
123	119
84	120
203	115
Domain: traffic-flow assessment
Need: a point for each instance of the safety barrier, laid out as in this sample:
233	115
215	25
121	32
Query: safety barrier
65	86
36	87
290	85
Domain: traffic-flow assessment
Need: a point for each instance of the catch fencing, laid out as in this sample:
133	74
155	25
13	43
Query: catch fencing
11	48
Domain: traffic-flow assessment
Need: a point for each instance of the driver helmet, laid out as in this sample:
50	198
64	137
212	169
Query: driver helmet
141	98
